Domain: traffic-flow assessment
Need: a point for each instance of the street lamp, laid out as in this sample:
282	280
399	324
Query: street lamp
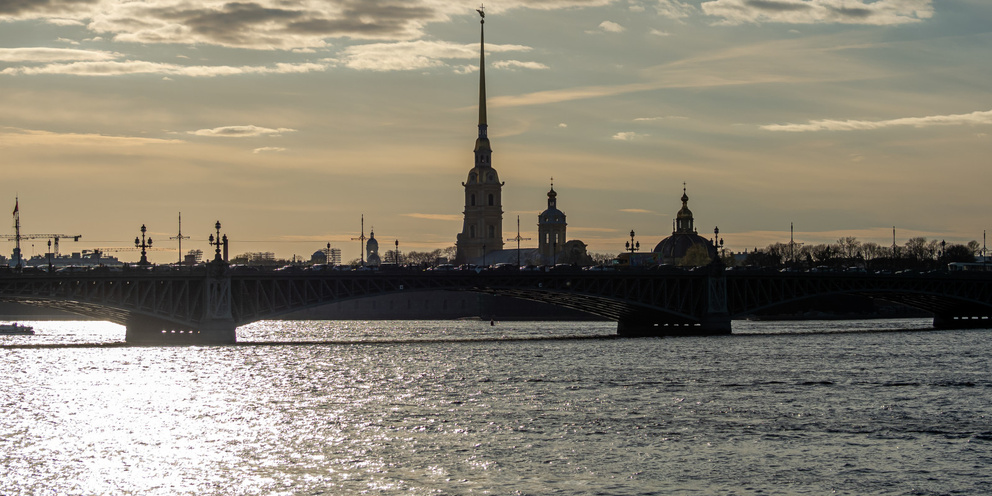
49	255
633	246
216	242
144	245
396	253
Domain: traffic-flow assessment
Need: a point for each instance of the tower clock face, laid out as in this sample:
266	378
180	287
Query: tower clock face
491	176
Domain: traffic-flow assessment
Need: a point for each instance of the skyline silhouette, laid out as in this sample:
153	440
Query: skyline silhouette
288	125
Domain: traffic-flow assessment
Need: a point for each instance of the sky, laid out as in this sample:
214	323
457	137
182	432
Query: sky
290	120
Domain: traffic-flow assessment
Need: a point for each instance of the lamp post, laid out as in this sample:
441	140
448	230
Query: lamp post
396	253
216	242
144	245
483	254
633	246
49	255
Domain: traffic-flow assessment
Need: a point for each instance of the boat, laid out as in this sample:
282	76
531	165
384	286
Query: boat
16	329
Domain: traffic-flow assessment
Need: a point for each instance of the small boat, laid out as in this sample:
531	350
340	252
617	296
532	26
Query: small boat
16	329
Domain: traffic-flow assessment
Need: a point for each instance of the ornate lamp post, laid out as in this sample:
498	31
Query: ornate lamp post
396	253
216	242
49	255
144	244
633	246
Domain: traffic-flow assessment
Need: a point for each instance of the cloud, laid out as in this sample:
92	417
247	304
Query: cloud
628	136
36	138
655	32
636	211
249	131
445	217
417	55
872	12
256	24
659	118
118	68
268	149
611	27
974	118
43	54
514	64
674	9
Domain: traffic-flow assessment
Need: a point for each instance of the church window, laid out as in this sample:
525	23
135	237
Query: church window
473	199
472	232
492	231
491	200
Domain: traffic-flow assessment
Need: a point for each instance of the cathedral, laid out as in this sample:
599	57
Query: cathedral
481	241
482	229
684	239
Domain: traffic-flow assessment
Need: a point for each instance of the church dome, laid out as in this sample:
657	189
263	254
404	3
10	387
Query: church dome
371	245
677	245
684	237
552	215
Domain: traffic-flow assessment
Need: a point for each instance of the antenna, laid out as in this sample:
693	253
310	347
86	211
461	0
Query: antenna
362	238
518	239
180	237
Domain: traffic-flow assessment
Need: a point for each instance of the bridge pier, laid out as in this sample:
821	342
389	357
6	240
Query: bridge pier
951	321
146	331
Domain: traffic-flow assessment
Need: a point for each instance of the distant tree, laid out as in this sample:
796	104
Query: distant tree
602	258
823	254
450	252
423	257
958	253
916	249
848	246
391	257
974	246
696	256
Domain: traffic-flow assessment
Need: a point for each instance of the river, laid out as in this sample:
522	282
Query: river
465	407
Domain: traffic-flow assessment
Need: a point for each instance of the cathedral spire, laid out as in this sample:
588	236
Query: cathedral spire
483	142
482	72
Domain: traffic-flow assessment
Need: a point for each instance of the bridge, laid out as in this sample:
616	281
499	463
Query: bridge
205	304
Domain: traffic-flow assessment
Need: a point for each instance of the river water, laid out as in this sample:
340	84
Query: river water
820	407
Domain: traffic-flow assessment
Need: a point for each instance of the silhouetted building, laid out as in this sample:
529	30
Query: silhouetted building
684	238
482	230
372	250
551	229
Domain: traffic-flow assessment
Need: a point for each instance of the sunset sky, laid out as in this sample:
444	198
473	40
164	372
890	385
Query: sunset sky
287	120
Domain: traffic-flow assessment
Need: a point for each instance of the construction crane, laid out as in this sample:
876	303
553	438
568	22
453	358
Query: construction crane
17	258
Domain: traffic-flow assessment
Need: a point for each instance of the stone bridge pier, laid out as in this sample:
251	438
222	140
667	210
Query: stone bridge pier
215	326
713	317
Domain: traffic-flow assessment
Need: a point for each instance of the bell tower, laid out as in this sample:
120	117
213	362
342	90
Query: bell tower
551	229
482	229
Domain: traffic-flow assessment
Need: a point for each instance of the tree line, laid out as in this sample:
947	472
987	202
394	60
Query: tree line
918	253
